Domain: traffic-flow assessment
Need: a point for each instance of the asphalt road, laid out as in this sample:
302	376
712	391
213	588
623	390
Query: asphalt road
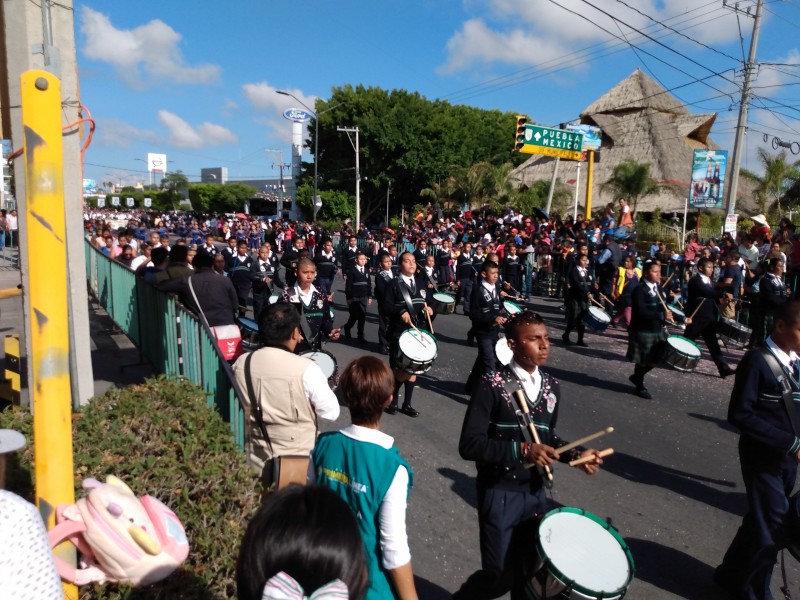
673	487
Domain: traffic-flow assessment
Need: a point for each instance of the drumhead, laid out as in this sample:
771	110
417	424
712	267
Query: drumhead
324	360
585	550
511	308
503	352
274	297
444	298
248	324
676	311
418	345
684	345
599	314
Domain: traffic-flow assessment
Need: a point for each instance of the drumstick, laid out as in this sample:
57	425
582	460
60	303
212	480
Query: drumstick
605	298
591	457
420	339
598	303
583	440
668	278
523	405
427	314
698	308
664	304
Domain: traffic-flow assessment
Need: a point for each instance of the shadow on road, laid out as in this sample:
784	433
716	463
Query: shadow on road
721	423
596	353
685	484
430	591
451	389
463	485
579	378
673	571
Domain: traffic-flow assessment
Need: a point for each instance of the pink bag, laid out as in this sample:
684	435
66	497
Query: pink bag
121	538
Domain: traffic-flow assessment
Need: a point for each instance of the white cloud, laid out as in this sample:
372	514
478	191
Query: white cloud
183	135
143	55
119	134
533	33
265	99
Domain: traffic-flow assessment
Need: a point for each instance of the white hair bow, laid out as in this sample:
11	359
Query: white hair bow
284	587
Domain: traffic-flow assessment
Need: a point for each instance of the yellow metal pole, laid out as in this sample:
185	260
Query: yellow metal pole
589	182
45	243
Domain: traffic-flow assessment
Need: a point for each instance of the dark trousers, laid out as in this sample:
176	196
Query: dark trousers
465	291
707	329
576	313
324	284
383	325
358	315
260	300
486	360
748	563
242	292
507	523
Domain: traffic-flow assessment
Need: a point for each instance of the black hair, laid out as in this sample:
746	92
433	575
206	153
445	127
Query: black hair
489	264
159	255
202	260
178	254
277	322
310	533
788	312
519	320
704	261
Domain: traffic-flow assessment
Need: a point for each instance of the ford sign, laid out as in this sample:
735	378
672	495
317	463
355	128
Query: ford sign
296	114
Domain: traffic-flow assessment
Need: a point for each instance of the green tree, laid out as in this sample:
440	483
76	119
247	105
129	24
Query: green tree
175	184
631	180
779	178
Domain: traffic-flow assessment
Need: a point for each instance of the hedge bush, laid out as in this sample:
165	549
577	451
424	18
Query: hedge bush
161	439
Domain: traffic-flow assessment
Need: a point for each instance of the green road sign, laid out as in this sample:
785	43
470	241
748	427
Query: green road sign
552	142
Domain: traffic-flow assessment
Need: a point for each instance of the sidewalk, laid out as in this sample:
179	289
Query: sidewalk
115	360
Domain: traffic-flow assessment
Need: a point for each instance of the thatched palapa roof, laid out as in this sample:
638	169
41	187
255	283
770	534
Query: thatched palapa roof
640	121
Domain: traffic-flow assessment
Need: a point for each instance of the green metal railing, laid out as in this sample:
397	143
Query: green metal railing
169	336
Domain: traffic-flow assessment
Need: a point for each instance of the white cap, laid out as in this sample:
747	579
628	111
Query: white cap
11	441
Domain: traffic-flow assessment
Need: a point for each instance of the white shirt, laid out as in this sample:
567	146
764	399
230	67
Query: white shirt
392	512
389	274
409	281
531	382
785	359
319	393
305	297
704	279
491	288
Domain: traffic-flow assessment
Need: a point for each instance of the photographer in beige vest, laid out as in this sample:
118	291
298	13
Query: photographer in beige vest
289	391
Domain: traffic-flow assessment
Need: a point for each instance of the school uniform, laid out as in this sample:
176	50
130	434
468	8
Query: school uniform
242	279
443	268
358	291
580	288
261	269
316	322
394	305
326	271
513	270
465	275
704	322
382	280
484	310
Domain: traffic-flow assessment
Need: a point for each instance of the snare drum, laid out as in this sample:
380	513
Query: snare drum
416	351
444	304
733	333
682	353
677	313
597	319
327	363
502	351
249	329
511	308
580	556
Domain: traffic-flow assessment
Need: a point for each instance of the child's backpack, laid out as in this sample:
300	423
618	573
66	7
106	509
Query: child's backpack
121	538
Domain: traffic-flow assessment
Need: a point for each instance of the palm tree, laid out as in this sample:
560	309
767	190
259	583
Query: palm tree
779	176
440	193
631	180
473	182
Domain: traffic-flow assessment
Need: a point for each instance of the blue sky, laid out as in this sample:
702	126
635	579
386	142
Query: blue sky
196	80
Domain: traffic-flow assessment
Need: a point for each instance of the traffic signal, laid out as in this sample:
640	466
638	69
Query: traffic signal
519	137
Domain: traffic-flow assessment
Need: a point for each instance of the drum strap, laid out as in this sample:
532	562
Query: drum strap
785	383
406	298
255	403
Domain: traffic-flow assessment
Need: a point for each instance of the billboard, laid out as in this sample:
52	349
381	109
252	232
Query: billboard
708	178
592	136
156	163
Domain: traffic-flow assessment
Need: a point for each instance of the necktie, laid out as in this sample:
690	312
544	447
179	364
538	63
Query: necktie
412	286
796	369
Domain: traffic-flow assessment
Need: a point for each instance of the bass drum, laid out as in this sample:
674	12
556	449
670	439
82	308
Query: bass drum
327	363
416	351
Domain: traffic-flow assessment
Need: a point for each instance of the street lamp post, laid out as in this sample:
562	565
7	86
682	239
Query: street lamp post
149	172
316	140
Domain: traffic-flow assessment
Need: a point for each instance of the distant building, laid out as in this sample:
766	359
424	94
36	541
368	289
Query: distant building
214	175
640	121
265	200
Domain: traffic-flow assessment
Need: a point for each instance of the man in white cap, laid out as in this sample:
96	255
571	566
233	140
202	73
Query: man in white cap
27	567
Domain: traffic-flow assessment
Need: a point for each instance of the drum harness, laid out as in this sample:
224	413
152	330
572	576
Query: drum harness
787	381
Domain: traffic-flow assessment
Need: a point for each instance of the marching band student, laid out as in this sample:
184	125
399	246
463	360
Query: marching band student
421	253
264	271
444	257
313	307
512	269
291	258
326	267
769	450
358	291
772	294
241	275
646	334
405	305
360	453
486	317
349	254
511	496
704	322
465	276
382	280
579	295
430	274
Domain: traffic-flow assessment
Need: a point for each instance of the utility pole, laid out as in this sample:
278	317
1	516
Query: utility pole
552	186
388	190
281	166
350	130
741	126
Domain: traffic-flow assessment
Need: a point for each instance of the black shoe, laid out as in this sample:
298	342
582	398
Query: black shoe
410	411
391	409
725	370
565	337
643	393
470	342
361	339
582	344
347	333
726	581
